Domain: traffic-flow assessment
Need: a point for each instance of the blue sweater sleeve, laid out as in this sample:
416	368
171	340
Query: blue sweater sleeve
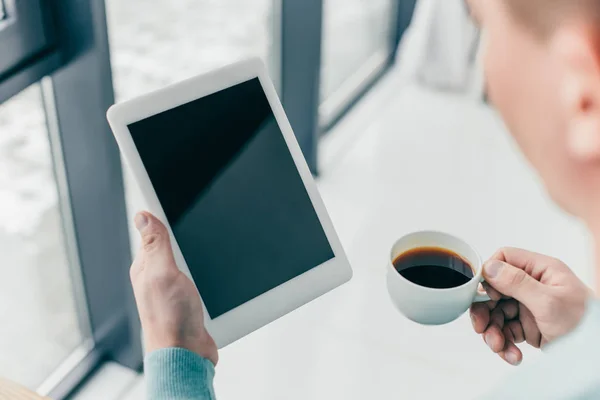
178	374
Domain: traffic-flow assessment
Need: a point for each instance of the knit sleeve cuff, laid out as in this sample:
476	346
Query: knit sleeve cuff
178	374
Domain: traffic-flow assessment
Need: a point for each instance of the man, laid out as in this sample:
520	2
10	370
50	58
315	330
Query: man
543	75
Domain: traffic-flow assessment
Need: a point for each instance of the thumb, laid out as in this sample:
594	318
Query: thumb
156	245
512	281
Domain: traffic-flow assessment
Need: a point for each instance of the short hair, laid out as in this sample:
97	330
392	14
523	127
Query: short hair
545	15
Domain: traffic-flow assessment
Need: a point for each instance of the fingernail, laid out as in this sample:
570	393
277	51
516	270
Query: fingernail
493	268
512	358
473	319
488	341
141	221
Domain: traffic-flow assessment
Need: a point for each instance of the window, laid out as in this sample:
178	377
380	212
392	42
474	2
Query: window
25	34
43	318
173	40
357	42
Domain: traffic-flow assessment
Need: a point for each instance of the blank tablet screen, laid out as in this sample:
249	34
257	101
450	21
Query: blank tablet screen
232	194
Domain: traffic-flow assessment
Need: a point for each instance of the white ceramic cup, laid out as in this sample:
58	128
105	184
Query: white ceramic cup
426	305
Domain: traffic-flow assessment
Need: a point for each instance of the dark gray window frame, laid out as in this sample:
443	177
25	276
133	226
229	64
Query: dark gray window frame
28	44
300	73
301	38
81	91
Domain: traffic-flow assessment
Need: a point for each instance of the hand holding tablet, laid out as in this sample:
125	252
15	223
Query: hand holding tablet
170	309
218	164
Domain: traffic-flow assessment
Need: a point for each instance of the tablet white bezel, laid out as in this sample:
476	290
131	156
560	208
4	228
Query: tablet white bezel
279	301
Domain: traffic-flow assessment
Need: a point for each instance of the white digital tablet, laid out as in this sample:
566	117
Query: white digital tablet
218	163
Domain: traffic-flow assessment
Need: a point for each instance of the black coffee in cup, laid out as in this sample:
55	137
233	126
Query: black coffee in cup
434	267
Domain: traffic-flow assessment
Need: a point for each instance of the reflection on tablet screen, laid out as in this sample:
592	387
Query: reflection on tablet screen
232	194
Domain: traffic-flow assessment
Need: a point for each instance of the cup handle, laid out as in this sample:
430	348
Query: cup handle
481	297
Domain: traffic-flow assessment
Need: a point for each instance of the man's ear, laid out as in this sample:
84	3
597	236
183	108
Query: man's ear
576	49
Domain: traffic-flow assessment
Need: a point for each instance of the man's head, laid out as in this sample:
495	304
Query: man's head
542	63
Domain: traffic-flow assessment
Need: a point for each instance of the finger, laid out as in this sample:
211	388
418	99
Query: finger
491	304
508	335
513	331
156	245
530	329
503	311
493	293
510	308
513	282
497	317
534	264
511	354
480	317
494	338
